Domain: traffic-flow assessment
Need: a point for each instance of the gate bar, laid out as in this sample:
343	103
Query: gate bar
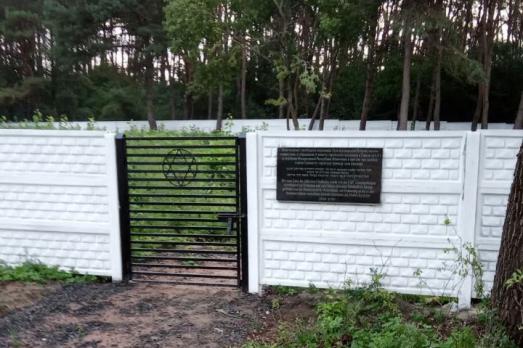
183	283
156	171
165	195
150	211
192	154
184	251
185	275
188	180
182	235
198	228
183	258
156	265
170	188
170	242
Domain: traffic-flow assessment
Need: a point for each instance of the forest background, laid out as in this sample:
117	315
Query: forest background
433	60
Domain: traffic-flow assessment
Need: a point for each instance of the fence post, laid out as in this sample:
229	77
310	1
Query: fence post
252	198
244	235
469	202
114	208
123	196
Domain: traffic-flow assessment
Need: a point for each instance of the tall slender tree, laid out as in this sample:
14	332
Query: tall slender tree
403	115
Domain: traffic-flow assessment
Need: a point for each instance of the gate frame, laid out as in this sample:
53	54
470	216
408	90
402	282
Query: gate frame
123	198
124	210
241	142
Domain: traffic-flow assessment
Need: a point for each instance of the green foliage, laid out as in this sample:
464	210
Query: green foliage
285	290
370	317
112	96
467	263
395	333
37	272
515	280
91	58
39	121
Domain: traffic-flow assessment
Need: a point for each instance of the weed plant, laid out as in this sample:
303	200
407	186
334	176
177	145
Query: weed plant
372	317
36	272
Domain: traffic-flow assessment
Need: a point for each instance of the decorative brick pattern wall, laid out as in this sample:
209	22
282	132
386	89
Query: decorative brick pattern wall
428	179
58	200
497	163
332	264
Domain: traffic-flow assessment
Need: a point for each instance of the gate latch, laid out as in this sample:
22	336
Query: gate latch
229	217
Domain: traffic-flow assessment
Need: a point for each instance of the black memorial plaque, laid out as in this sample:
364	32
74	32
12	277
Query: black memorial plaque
343	175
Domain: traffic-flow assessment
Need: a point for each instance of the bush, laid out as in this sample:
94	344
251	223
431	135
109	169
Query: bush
371	317
37	272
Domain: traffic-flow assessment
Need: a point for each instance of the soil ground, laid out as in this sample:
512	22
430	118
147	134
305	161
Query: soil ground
137	315
17	295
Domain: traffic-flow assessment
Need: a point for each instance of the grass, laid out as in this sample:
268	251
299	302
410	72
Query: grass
36	272
372	317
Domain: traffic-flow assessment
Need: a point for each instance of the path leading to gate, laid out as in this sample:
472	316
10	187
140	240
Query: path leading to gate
135	315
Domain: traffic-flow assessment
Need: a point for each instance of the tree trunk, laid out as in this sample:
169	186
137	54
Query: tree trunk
437	91
322	113
371	72
281	96
149	92
369	88
315	113
209	104
438	47
416	104
430	111
479	106
487	31
405	90
518	123
188	74
486	92
509	300
173	99
490	32
290	106
219	113
324	110
243	82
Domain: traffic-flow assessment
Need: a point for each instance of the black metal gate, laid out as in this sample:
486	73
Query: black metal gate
183	209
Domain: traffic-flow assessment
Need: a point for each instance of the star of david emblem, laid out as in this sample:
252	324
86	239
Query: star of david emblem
179	167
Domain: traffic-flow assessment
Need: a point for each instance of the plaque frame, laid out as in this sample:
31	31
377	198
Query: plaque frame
319	155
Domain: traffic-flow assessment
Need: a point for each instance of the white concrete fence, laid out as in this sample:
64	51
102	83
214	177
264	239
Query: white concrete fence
59	205
240	125
59	200
428	178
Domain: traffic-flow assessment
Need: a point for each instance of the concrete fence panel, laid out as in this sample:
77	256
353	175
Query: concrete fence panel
59	200
435	197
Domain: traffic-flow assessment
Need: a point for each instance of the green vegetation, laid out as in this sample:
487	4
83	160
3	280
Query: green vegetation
375	318
39	273
186	59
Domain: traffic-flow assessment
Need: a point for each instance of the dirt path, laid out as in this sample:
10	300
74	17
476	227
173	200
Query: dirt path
135	315
14	295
